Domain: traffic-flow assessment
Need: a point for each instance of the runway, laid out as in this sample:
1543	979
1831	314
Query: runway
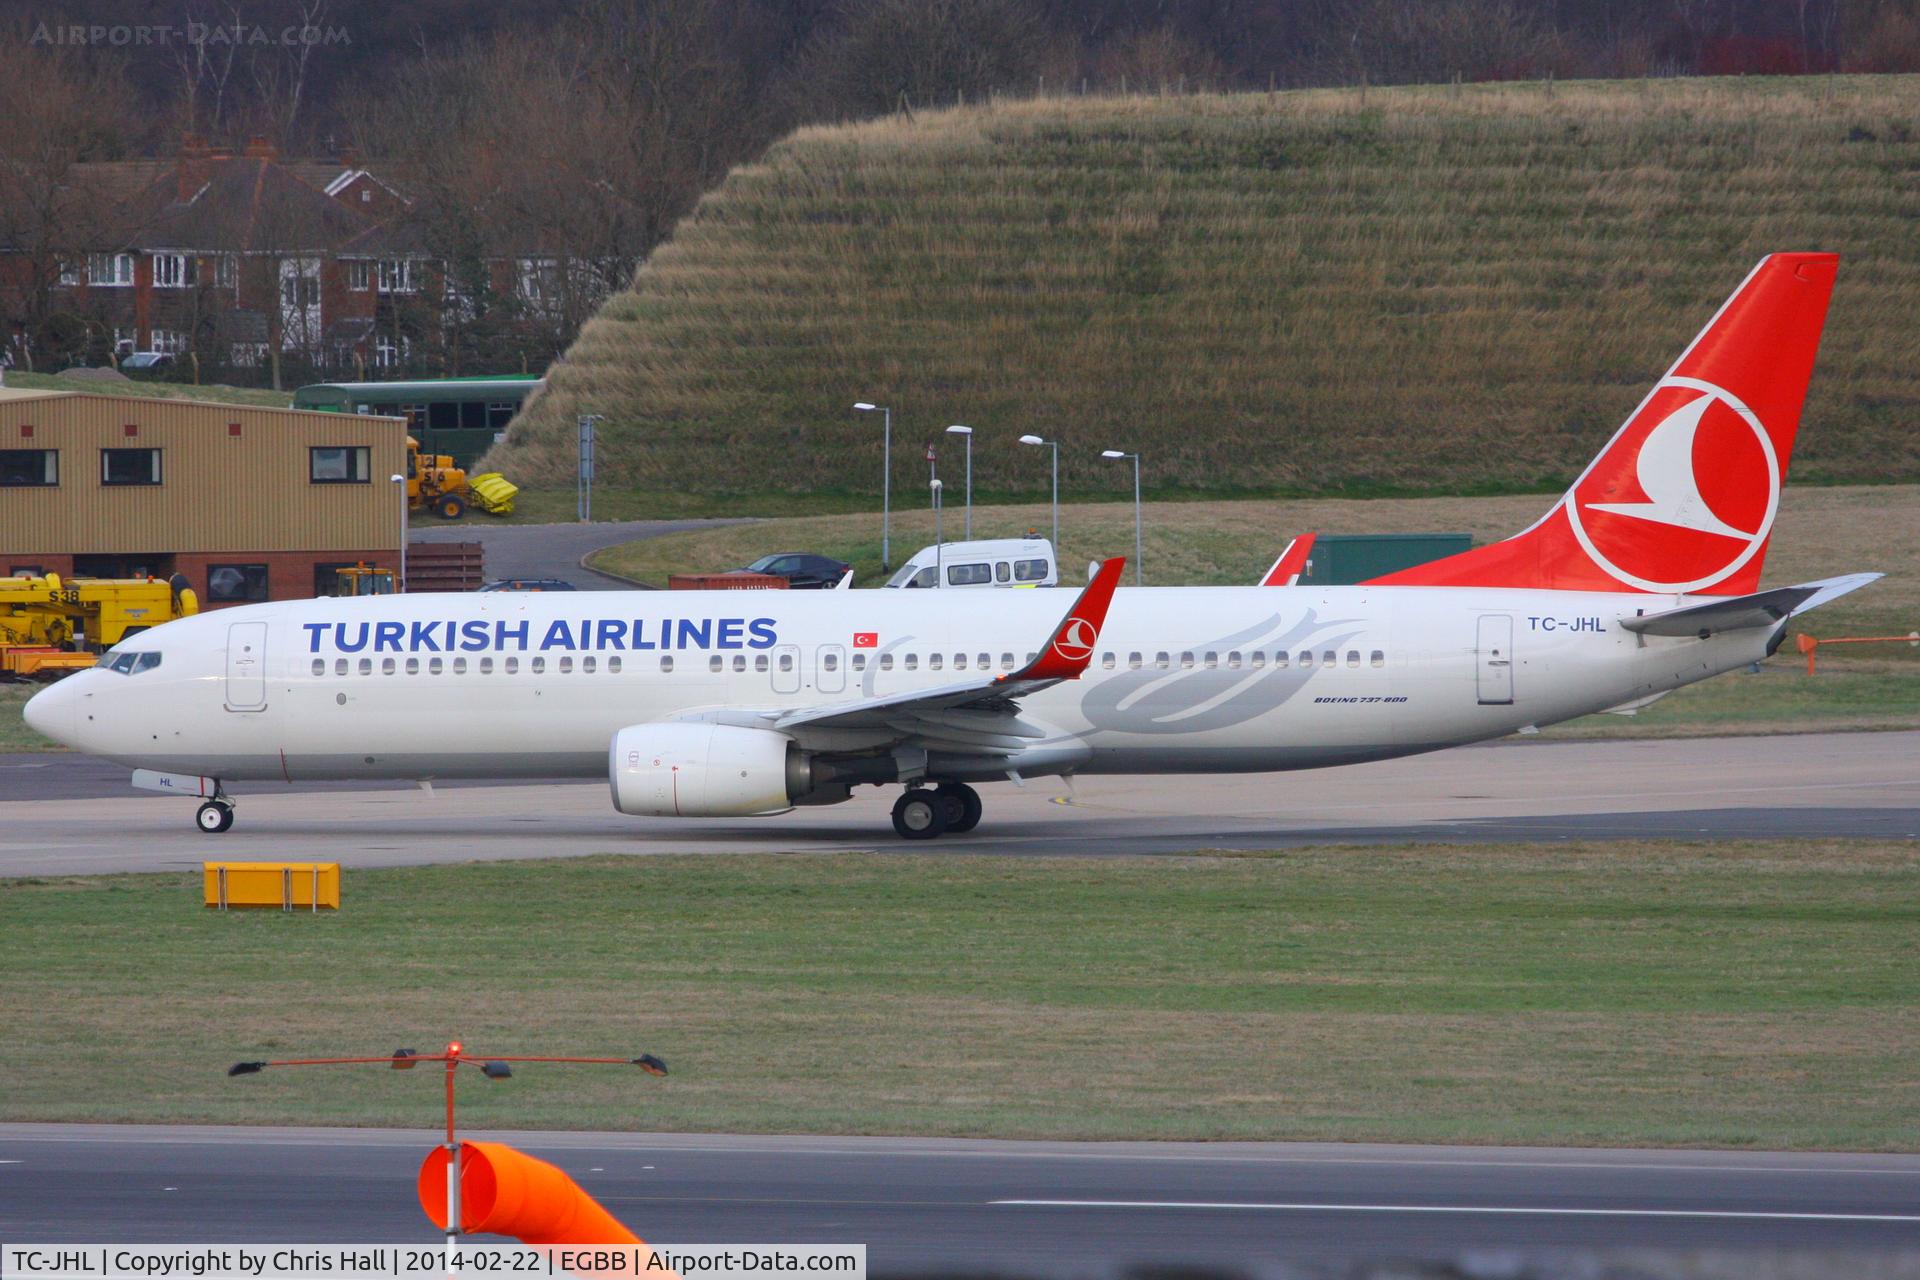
67	815
1020	1207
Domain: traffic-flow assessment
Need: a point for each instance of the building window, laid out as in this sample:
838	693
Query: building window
390	352
539	279
172	271
339	464
248	355
109	269
237	583
129	466
396	275
29	468
226	271
359	275
171	341
72	272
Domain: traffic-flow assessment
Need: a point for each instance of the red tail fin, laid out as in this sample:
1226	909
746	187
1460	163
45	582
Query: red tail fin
1683	497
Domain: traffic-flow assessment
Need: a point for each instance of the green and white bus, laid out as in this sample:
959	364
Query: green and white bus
460	417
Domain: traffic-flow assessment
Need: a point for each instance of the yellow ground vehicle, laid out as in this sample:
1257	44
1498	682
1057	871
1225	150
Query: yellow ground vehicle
50	626
433	482
365	580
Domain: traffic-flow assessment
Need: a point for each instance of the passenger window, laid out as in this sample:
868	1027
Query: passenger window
613	665
1029	570
1279	659
1133	662
959	662
538	666
1233	659
1378	658
985	663
486	665
886	662
1353	657
913	662
786	662
666	662
739	662
859	662
1186	659
433	666
460	666
830	661
366	666
413	666
1306	658
512	665
1106	661
924	578
1162	660
1212	660
319	666
1006	662
1330	658
339	666
386	666
1002	571
587	664
566	663
968	575
716	662
759	662
933	662
1257	659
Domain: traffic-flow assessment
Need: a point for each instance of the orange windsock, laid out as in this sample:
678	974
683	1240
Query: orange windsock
507	1193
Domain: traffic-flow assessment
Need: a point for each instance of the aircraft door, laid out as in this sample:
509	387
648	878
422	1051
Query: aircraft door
830	668
1495	651
786	669
247	666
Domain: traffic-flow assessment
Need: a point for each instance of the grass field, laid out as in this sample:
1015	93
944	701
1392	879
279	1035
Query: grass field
1419	289
1726	994
14	734
163	390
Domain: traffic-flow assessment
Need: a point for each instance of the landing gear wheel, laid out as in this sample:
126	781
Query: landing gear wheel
918	814
959	806
215	816
449	506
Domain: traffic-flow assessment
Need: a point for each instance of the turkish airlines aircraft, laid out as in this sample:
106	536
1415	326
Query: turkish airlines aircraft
1642	578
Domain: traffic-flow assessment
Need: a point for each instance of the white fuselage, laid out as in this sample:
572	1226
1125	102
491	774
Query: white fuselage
1201	679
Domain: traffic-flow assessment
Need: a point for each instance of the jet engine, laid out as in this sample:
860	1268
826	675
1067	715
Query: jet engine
696	770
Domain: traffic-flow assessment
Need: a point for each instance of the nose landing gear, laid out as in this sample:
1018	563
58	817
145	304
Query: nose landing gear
952	808
215	816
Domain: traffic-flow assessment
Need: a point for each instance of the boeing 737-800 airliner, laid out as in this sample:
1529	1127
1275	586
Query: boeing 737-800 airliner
1643	577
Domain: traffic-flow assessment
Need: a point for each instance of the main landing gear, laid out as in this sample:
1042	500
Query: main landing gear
215	816
951	808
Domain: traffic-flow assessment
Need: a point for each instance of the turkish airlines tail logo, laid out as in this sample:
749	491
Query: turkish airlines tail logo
1684	496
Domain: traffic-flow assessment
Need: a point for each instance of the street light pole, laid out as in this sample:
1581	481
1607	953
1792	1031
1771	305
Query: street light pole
957	430
939	549
1055	446
886	481
400	485
1138	578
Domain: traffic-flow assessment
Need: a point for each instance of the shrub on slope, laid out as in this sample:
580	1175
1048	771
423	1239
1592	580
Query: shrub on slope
1418	289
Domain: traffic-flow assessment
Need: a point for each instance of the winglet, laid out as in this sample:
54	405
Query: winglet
1070	649
1292	563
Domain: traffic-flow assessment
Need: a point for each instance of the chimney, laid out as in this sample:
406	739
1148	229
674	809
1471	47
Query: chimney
191	167
349	157
258	148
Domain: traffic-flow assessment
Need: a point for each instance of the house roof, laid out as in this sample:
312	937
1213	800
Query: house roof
248	205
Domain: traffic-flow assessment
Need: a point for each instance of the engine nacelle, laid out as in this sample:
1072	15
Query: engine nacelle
696	770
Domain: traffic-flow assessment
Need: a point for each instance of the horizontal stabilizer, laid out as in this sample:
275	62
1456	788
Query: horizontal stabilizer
1741	613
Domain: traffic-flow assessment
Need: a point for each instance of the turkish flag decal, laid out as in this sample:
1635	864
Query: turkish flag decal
866	639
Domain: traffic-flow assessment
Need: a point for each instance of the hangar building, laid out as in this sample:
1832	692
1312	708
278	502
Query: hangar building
250	504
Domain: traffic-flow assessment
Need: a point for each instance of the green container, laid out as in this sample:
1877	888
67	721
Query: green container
1343	559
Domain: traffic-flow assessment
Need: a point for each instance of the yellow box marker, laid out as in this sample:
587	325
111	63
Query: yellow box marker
290	886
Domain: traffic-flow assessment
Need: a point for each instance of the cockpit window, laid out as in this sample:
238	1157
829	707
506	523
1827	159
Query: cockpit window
128	663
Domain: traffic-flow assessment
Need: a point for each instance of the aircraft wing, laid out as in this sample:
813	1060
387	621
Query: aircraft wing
1741	613
982	713
1286	571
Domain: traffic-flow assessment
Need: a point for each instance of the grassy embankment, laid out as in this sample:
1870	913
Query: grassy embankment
1727	994
1414	290
1820	532
221	393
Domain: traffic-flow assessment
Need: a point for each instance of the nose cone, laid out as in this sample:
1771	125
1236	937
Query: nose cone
50	712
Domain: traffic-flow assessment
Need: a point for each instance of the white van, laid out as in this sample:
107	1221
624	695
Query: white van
990	562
